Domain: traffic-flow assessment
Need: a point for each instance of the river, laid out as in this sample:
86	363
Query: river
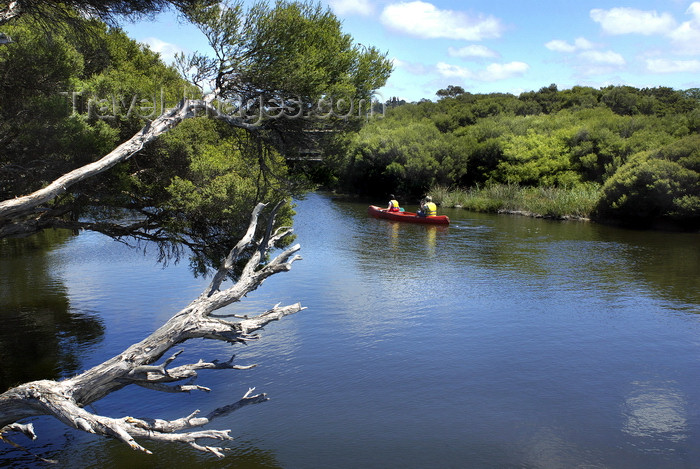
497	342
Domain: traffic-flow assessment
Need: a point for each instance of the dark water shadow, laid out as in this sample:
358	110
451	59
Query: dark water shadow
41	336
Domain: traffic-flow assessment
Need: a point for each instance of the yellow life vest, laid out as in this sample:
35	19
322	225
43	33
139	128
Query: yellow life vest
430	209
394	203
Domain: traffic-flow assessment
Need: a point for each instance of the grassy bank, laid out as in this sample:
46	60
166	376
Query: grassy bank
576	202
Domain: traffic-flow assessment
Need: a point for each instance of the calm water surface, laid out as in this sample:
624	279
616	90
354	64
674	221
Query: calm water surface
498	341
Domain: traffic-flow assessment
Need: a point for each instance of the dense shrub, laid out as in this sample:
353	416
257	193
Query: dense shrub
641	145
653	186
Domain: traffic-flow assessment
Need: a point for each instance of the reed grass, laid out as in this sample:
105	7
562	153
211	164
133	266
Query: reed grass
555	202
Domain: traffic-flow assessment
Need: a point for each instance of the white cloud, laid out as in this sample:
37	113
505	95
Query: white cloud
427	21
560	46
694	9
686	37
411	67
166	50
603	57
351	7
625	20
493	72
673	66
580	43
586	59
472	51
593	62
496	72
453	71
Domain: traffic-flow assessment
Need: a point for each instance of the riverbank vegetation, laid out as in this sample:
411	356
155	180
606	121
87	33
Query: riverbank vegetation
617	153
549	202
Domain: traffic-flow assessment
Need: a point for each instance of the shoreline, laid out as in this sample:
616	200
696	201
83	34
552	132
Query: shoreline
526	213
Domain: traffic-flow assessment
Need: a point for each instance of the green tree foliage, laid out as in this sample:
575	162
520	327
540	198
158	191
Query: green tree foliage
68	102
547	99
58	15
405	158
70	99
580	137
204	176
450	91
533	159
36	125
656	185
579	97
289	60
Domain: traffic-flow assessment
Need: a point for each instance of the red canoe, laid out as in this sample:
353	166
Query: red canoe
410	217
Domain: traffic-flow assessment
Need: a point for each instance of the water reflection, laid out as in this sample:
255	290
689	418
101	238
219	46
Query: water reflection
41	336
586	256
520	354
668	263
431	238
393	229
656	412
105	453
548	448
423	238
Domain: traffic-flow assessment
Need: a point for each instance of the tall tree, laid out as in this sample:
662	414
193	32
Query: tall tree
282	76
277	72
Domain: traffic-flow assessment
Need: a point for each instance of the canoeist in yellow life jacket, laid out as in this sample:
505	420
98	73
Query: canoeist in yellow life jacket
427	207
393	204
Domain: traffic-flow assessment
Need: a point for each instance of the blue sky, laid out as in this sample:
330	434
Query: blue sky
503	46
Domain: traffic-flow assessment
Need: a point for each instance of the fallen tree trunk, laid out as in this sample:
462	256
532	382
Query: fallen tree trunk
65	400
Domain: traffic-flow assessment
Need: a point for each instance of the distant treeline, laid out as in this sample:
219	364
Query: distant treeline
639	148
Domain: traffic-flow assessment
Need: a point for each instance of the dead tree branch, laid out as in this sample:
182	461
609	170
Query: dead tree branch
66	400
187	108
11	11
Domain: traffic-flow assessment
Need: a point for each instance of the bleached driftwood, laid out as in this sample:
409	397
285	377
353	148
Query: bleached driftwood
66	400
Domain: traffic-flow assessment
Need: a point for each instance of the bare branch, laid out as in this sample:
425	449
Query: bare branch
66	400
169	119
274	314
12	10
26	429
173	389
182	372
155	369
228	263
247	399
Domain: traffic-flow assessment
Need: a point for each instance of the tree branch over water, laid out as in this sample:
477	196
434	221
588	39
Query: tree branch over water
66	400
187	108
280	72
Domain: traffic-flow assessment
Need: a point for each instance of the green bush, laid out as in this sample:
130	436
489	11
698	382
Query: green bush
562	145
652	187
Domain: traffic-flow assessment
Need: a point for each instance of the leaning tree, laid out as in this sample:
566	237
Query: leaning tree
65	400
276	75
281	76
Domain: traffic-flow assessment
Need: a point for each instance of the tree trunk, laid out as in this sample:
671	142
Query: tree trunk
13	209
65	400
